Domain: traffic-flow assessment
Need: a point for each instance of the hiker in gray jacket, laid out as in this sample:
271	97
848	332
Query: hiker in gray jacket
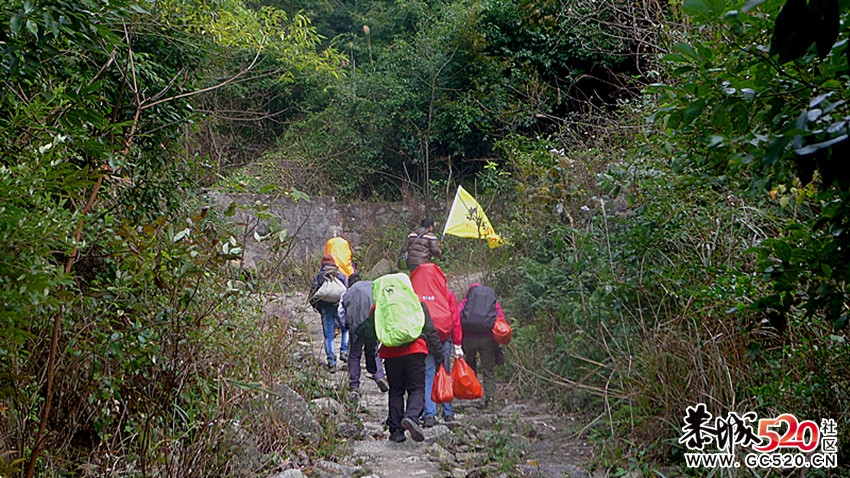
354	307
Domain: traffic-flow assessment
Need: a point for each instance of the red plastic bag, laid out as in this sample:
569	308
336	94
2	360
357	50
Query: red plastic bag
442	391
465	383
502	332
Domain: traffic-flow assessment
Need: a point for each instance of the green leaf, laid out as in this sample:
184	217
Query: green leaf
693	111
752	4
686	49
811	148
298	195
840	322
32	26
15	24
819	99
697	8
830	107
732	17
707	10
783	251
675	58
180	235
774	151
715	140
661	113
673	120
231	209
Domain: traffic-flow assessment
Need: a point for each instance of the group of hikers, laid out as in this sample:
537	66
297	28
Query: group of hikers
406	325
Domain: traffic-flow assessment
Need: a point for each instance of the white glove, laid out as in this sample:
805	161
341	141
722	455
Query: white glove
458	351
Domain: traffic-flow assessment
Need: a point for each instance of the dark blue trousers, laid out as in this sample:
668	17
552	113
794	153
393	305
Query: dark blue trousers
405	374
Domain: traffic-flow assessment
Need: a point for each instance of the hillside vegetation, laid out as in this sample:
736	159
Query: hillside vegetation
670	178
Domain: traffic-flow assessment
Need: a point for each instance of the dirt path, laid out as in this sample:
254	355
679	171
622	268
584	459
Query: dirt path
511	438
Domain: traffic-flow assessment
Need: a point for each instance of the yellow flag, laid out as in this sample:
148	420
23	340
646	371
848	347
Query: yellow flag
467	219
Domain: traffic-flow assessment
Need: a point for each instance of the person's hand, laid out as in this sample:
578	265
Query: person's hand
458	351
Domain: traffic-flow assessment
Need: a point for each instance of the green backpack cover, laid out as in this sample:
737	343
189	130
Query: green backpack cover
399	317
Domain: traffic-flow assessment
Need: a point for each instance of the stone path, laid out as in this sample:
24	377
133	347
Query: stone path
510	439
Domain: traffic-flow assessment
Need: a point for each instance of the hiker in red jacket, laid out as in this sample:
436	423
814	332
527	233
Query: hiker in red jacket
429	283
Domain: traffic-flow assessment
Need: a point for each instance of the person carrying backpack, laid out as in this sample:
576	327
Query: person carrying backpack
430	285
421	245
340	249
354	307
478	313
403	326
327	307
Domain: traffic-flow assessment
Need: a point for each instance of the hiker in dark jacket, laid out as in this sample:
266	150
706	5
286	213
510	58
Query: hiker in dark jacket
328	312
405	369
421	245
478	313
354	307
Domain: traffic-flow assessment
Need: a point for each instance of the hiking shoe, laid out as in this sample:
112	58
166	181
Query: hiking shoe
413	428
383	385
331	367
343	356
448	418
429	421
398	436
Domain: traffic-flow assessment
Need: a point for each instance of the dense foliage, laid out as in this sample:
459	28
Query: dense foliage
430	88
699	257
118	318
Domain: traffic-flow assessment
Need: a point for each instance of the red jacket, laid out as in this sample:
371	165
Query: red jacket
427	343
429	283
418	346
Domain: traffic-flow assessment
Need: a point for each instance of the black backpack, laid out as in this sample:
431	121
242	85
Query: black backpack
479	312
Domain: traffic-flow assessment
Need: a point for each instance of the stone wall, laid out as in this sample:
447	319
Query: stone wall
310	223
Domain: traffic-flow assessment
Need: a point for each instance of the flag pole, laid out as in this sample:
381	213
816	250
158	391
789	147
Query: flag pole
446	225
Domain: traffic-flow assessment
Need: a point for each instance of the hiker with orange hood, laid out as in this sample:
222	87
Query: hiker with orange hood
340	250
325	293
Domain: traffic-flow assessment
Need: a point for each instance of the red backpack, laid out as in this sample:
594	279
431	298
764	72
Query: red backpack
429	283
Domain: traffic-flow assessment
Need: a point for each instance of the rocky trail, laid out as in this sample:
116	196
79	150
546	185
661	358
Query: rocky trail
512	438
